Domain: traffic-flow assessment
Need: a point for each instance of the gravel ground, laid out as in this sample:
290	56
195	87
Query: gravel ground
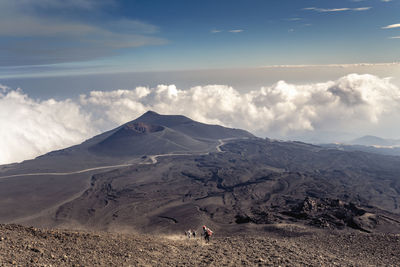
22	246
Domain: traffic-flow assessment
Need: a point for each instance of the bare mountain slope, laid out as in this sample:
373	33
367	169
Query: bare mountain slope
251	181
128	142
214	175
150	134
35	188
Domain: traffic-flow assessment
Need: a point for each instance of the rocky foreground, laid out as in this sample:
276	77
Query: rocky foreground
275	246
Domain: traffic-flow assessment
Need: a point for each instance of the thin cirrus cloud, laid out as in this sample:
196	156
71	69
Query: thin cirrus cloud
392	26
236	31
294	19
30	35
365	0
36	126
231	31
327	10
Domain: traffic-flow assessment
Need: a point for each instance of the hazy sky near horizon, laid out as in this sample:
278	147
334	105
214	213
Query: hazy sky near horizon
318	70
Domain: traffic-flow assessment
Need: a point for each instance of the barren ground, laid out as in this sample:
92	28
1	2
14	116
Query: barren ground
275	246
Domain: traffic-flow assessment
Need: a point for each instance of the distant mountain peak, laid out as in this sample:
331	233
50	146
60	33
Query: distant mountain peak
155	118
150	113
370	140
370	137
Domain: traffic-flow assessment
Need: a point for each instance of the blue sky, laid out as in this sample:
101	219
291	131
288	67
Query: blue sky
311	70
50	37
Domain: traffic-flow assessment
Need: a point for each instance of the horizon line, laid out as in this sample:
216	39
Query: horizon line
121	71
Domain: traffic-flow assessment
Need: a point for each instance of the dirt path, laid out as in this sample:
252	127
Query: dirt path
224	141
153	159
221	142
66	173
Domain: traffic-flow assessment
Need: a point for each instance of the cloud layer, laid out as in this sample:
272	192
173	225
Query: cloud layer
29	127
337	9
33	127
35	32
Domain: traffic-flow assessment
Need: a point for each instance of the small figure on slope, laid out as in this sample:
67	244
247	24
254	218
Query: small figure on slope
207	233
188	233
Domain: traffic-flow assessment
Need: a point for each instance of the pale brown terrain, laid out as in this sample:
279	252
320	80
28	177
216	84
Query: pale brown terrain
275	246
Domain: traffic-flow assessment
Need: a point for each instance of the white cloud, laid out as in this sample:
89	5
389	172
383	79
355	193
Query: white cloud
394	37
361	8
236	31
29	127
392	26
231	31
337	9
294	19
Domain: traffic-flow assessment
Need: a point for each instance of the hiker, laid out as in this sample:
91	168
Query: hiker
188	233
207	233
194	233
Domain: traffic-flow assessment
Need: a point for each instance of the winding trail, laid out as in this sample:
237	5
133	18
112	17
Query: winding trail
150	160
223	142
66	173
153	159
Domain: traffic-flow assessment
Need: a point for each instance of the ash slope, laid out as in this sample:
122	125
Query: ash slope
197	178
251	182
63	175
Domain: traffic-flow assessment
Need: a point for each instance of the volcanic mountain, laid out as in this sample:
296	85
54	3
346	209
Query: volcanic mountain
170	173
153	134
150	134
40	185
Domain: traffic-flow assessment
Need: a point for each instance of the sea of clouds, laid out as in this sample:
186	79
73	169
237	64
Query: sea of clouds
31	127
